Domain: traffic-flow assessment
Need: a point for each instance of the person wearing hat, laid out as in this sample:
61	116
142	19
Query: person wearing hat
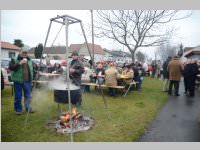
22	75
76	70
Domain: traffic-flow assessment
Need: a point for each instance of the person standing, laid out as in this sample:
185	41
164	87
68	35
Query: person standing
186	66
166	75
76	70
86	77
145	67
192	73
22	75
175	70
141	74
99	74
154	68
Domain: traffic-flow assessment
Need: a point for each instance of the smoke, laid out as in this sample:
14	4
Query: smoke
60	84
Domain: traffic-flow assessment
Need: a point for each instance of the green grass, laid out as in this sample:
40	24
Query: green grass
130	116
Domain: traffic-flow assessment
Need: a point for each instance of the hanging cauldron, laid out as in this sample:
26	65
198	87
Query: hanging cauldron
61	96
61	92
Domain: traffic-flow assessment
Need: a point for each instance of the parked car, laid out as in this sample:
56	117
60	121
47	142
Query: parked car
42	65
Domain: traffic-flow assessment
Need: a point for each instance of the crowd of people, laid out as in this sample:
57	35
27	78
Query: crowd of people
112	74
107	73
174	69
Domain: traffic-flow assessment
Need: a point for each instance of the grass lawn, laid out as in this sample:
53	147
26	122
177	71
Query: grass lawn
130	116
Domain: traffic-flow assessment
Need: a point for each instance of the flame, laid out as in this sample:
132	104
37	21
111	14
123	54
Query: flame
66	118
74	111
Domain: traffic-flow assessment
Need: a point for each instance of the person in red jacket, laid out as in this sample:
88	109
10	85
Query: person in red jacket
150	70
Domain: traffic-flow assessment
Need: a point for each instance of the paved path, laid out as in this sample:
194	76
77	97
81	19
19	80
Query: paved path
177	120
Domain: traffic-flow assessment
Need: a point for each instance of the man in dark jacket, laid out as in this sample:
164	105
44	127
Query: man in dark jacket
186	67
192	73
22	75
166	75
76	69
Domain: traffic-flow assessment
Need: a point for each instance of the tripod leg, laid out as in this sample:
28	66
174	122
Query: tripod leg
105	103
27	115
127	90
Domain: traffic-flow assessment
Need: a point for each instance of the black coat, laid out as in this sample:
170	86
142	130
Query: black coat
165	72
79	70
190	71
2	81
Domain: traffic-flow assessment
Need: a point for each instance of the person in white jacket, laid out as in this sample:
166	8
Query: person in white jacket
145	67
85	78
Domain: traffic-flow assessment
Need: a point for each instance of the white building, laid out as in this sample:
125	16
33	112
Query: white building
83	50
191	52
59	52
118	56
9	50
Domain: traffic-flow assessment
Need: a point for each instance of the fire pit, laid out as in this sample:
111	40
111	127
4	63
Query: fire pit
79	122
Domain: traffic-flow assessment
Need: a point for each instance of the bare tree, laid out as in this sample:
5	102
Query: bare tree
166	50
140	56
180	52
135	28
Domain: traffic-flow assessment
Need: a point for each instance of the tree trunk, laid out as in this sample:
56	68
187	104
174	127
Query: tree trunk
133	56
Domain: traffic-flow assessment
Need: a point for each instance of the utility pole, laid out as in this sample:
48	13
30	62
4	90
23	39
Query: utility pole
92	38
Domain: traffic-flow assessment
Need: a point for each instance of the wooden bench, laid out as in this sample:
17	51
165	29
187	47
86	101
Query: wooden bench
38	81
122	88
103	85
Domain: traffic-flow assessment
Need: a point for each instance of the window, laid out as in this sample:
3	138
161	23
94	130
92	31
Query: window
11	54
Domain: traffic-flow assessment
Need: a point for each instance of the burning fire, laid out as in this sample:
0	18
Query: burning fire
71	122
64	119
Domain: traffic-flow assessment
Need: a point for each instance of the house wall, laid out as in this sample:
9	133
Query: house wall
195	56
118	59
5	53
84	51
51	56
61	56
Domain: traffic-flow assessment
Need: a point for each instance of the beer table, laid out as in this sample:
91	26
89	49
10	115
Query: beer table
48	74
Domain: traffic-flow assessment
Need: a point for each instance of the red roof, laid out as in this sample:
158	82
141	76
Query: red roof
74	47
97	48
7	45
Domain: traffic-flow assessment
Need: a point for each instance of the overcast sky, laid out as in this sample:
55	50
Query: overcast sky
31	27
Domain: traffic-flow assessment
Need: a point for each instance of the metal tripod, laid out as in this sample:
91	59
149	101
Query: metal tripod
64	20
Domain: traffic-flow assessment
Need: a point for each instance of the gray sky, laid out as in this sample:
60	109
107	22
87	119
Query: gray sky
31	27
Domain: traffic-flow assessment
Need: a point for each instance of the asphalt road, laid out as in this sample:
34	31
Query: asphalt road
177	121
